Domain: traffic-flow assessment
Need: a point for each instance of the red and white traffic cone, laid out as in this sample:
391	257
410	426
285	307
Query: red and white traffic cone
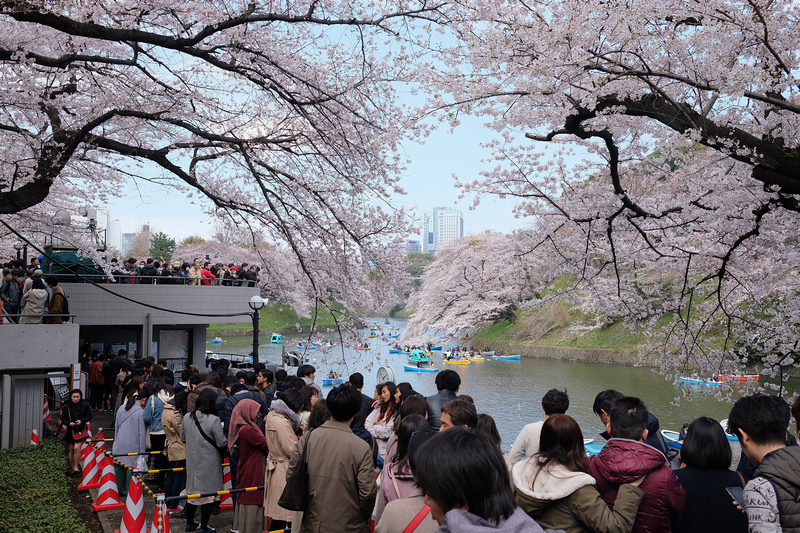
133	519
101	443
226	502
107	497
91	469
46	411
35	437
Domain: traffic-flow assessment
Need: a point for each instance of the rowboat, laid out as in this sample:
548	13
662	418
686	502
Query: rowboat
738	377
363	348
673	438
332	382
506	357
724	424
309	347
486	353
464	338
593	449
436	348
371	336
216	340
699	381
398	351
409	368
459	362
476	359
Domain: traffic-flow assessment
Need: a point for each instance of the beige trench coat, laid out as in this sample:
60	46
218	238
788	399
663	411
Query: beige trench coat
341	480
280	443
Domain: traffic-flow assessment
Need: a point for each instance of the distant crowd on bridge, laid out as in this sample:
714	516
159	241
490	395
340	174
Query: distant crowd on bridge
199	272
401	461
29	297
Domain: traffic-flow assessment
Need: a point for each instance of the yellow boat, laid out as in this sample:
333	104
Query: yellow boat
460	362
476	359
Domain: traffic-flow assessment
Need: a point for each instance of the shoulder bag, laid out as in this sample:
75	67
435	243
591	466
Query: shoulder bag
79	436
224	452
295	494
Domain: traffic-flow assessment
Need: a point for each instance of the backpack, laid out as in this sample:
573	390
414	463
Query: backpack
65	307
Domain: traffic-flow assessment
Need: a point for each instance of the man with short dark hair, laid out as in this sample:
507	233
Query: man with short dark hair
264	381
447	384
11	295
771	497
458	413
602	404
626	458
356	380
340	470
307	373
554	402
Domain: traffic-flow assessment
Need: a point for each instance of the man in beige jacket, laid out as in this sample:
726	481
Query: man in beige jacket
341	478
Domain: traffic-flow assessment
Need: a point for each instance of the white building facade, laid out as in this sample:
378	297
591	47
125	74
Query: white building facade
443	225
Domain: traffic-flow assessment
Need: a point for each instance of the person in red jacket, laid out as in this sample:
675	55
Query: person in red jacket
206	274
626	457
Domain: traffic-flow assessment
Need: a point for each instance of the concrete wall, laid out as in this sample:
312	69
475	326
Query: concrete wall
103	305
38	346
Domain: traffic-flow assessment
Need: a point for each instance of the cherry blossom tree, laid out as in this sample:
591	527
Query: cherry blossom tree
280	116
473	280
601	107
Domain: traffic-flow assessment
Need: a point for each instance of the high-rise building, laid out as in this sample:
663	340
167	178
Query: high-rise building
413	246
443	225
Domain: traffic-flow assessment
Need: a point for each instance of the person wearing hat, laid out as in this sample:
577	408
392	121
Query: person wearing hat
35	273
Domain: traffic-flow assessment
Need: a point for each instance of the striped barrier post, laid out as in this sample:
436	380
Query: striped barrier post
160	516
108	497
226	502
35	437
133	519
91	469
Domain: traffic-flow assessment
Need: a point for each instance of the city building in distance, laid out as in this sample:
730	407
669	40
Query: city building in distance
443	225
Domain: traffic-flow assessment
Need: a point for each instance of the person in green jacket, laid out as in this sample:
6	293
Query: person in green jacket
555	488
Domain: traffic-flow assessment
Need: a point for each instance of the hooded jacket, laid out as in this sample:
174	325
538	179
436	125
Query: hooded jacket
460	521
559	498
778	499
622	461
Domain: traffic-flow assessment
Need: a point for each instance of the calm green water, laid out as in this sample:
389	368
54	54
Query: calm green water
511	391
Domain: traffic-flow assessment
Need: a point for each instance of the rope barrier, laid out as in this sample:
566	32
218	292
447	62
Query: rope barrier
218	493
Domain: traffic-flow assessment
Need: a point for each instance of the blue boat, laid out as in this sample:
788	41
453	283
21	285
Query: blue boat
276	338
302	347
409	368
436	348
506	357
592	448
332	382
398	351
672	438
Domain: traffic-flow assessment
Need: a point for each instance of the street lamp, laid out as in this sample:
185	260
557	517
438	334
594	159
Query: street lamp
256	303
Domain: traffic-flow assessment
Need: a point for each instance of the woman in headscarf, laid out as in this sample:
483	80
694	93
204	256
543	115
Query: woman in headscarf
281	427
244	431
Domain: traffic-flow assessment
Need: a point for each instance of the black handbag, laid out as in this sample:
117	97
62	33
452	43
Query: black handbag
295	495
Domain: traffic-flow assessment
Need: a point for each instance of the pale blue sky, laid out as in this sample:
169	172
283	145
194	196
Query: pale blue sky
427	181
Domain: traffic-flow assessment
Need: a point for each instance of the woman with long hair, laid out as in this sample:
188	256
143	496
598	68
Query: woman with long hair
201	430
130	434
171	421
704	475
244	432
310	397
398	481
380	423
281	426
75	414
555	488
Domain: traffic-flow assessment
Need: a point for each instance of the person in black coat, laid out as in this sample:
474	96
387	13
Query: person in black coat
447	383
75	413
706	457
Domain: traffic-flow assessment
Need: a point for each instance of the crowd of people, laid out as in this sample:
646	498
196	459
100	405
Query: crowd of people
408	462
198	272
29	297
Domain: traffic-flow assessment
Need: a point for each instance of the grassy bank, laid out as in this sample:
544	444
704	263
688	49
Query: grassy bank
35	490
278	318
560	326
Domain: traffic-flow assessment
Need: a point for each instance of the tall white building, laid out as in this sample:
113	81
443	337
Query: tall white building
444	224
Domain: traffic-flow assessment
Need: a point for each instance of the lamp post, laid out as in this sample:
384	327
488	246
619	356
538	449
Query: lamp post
256	303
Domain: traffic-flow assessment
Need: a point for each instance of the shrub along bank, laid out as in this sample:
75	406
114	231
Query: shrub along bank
35	490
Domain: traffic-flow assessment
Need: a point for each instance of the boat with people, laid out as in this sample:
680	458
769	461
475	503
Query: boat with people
506	357
217	340
738	377
486	353
276	338
693	380
461	362
724	424
392	350
476	359
410	368
418	356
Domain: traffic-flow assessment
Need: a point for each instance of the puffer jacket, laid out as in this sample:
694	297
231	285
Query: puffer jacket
559	498
782	469
622	461
460	521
